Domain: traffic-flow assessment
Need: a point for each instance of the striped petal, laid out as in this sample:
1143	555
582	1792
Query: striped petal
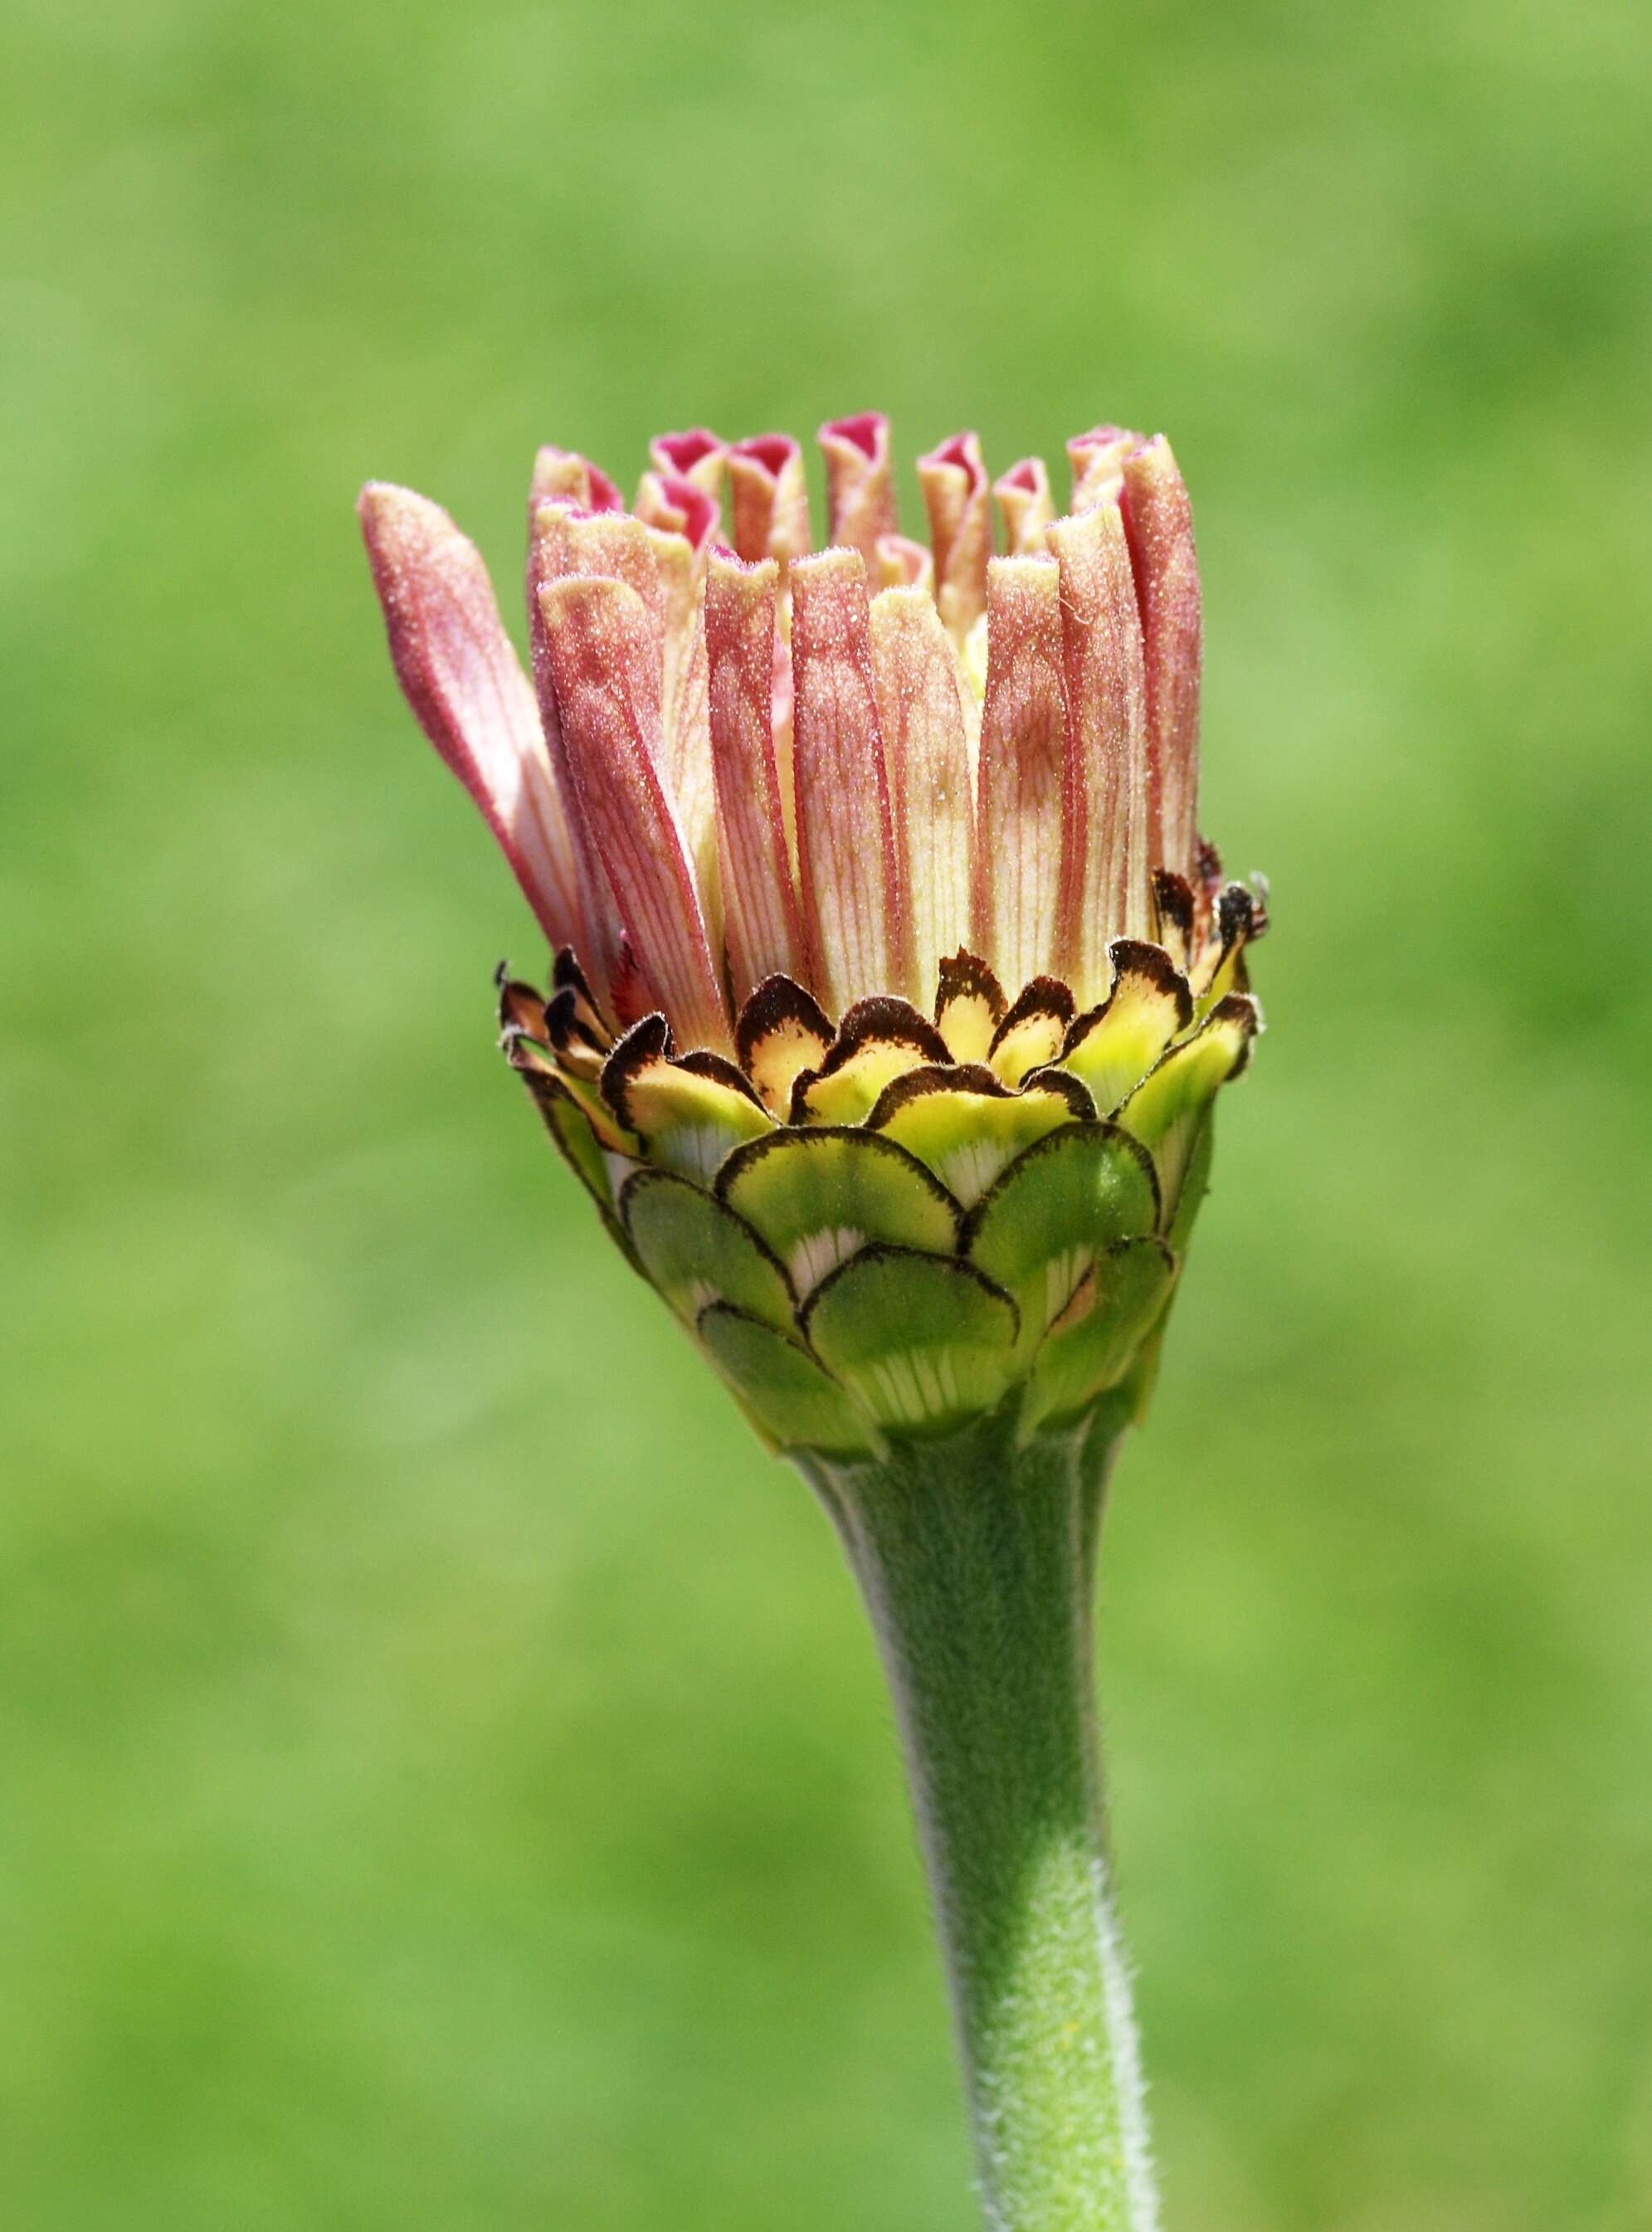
920	707
1105	887
611	545
676	597
1159	521
690	781
846	842
1023	752
860	488
601	651
958	500
761	915
769	496
549	558
466	687
658	564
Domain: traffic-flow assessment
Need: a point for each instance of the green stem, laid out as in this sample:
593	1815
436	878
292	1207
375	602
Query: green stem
975	1557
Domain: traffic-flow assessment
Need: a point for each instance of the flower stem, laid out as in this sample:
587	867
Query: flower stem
975	1557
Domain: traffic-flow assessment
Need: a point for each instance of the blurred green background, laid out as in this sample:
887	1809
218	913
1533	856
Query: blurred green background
444	1779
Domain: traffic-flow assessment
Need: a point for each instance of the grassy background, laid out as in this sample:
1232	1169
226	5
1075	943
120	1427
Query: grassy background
444	1780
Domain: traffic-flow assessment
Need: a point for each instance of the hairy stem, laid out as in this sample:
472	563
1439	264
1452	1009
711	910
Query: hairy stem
975	1557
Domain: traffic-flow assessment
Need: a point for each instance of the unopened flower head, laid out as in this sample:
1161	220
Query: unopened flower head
893	982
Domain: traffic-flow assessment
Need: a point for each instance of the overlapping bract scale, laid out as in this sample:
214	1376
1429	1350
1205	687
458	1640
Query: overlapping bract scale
1017	1237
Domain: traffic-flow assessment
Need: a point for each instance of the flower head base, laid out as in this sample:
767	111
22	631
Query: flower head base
893	982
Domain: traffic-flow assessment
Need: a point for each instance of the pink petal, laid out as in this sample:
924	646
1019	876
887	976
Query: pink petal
601	648
680	506
549	557
920	707
785	704
1023	752
1105	888
696	456
860	488
565	474
612	545
1023	495
763	926
657	563
1159	521
462	678
770	497
686	732
904	564
1096	459
955	494
845	844
662	569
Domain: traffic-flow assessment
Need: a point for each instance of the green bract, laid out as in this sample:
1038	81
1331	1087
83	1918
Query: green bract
981	1234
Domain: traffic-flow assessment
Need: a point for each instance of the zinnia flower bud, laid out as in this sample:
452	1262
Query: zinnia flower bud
893	983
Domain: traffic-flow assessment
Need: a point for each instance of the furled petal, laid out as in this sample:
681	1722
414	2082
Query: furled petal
846	842
770	498
1023	495
696	454
1159	521
601	650
567	474
1096	458
920	707
904	564
467	688
681	507
955	494
1105	889
1023	750
860	489
763	926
